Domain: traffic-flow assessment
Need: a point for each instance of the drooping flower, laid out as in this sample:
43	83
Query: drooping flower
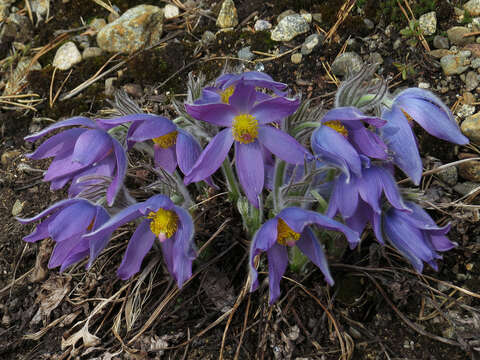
247	126
291	228
430	113
416	235
162	220
67	222
172	145
80	151
343	139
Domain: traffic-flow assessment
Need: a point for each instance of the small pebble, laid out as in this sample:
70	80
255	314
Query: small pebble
17	207
227	18
262	25
91	52
67	56
170	11
296	58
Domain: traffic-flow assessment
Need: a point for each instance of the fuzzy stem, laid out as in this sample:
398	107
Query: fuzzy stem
187	200
309	124
231	180
277	184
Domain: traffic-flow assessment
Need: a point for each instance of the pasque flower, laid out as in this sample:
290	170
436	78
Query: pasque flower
343	139
430	113
80	151
67	222
416	235
247	126
291	227
162	220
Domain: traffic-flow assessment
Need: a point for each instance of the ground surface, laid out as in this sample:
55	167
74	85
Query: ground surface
379	308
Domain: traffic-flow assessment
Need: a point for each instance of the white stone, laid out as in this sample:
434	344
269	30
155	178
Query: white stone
67	55
171	11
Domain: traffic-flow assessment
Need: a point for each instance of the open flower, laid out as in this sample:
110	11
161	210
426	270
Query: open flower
430	113
246	121
343	139
416	235
162	220
291	228
80	151
67	222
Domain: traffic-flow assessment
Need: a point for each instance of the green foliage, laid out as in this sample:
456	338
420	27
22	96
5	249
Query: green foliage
467	17
407	70
411	33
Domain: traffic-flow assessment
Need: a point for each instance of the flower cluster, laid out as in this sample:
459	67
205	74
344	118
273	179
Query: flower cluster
349	160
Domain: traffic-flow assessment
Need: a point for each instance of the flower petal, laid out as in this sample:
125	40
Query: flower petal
344	196
277	264
351	115
217	114
310	246
274	109
41	230
368	143
72	221
212	157
250	170
121	170
210	95
55	207
78	120
283	145
57	144
243	98
151	128
62	166
92	146
188	150
165	158
139	245
63	250
119	120
183	247
105	167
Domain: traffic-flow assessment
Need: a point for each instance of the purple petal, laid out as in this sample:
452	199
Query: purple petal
62	166
277	264
217	114
105	167
264	239
168	255
64	249
351	115
210	95
41	230
282	145
92	146
358	221
165	158
188	150
139	245
76	254
152	128
274	109
310	246
57	206
344	197
368	143
121	170
119	120
212	157
251	78
72	221
250	170
243	98
59	183
156	202
57	144
78	120
390	188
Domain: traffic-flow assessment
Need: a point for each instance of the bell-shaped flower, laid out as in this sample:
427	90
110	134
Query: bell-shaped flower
291	227
430	113
247	126
416	235
342	139
67	222
162	220
84	150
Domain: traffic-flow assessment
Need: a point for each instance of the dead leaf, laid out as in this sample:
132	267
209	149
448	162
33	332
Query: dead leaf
40	270
219	290
51	295
88	339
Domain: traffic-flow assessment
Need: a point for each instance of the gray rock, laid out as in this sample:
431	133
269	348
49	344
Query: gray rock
471	127
208	37
454	64
475	63
455	35
91	52
465	111
466	187
306	16
439	53
245	53
262	25
284	14
428	23
289	27
66	56
317	17
471	80
376	58
470	170
440	42
473	7
137	27
227	18
17	207
296	58
369	24
476	23
97	24
348	62
310	43
170	11
449	175
40	8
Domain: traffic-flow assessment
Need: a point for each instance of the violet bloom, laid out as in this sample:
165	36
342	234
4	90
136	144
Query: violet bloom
67	222
162	220
430	113
289	228
172	145
81	151
247	125
343	139
416	235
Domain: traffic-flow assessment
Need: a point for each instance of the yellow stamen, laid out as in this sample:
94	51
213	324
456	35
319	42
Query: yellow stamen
225	94
285	234
337	126
167	140
245	128
164	223
90	227
409	118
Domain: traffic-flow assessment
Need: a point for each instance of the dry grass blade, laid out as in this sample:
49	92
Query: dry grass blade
244	328
274	57
106	6
341	16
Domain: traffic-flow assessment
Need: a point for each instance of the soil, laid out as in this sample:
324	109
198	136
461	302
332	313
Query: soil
378	309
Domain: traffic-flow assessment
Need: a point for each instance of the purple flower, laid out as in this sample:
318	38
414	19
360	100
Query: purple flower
67	222
246	121
162	220
172	145
86	150
289	228
416	235
430	113
343	139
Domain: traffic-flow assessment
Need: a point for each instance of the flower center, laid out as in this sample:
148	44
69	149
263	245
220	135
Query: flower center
167	140
337	126
285	235
245	128
164	223
225	94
